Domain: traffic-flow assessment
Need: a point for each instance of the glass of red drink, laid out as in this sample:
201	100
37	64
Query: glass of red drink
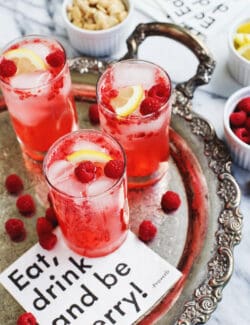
134	100
36	84
86	174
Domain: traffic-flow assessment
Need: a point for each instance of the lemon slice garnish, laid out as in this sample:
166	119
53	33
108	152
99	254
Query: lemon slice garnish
245	51
87	154
244	28
127	100
26	60
241	39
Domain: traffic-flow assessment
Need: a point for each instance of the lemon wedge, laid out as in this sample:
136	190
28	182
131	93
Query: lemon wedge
245	51
127	100
244	28
241	39
26	60
87	154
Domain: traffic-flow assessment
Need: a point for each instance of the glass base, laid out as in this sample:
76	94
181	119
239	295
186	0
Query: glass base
97	252
35	155
143	181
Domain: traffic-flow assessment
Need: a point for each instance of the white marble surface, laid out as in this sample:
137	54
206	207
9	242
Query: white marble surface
21	17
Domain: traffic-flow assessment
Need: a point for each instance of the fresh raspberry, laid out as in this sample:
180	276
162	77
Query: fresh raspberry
247	124
14	184
7	68
114	168
85	171
43	226
26	319
56	59
48	241
149	105
243	134
25	204
170	201
94	114
159	91
147	230
244	105
50	215
15	229
238	118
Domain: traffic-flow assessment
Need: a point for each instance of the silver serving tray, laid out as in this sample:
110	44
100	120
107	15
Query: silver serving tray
199	238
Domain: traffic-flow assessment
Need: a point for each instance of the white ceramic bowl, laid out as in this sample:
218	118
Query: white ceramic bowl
98	42
238	66
240	151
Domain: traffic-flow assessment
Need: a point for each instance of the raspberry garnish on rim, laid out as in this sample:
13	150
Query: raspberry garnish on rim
114	168
8	68
56	59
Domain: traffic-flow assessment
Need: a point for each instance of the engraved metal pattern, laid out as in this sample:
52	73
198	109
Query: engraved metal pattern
219	269
87	64
206	297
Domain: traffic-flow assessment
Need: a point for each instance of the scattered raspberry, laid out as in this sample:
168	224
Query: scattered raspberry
244	105
159	91
48	241
170	201
56	58
43	226
26	319
149	105
243	134
50	215
14	184
15	229
147	230
7	68
238	118
25	204
114	168
94	114
85	171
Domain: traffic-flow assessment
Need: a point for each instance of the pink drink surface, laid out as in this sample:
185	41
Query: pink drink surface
93	216
40	102
145	138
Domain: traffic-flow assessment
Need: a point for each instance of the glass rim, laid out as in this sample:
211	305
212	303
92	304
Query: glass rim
134	117
33	36
68	135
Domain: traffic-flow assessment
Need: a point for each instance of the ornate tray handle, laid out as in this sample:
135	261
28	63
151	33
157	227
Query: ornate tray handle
206	62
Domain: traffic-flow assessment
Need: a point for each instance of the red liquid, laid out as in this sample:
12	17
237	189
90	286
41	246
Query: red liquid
144	150
145	138
40	103
93	217
61	113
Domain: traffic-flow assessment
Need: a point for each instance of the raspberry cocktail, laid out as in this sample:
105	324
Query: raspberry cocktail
135	107
86	174
36	84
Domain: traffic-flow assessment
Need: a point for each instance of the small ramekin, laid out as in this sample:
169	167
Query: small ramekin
98	42
238	66
240	151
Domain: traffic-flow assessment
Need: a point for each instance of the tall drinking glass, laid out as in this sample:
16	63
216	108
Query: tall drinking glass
134	100
88	194
36	84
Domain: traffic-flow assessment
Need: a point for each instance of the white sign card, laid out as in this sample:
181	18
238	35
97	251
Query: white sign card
205	17
60	287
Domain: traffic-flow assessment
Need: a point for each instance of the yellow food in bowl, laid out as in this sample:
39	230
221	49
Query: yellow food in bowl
241	40
96	14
